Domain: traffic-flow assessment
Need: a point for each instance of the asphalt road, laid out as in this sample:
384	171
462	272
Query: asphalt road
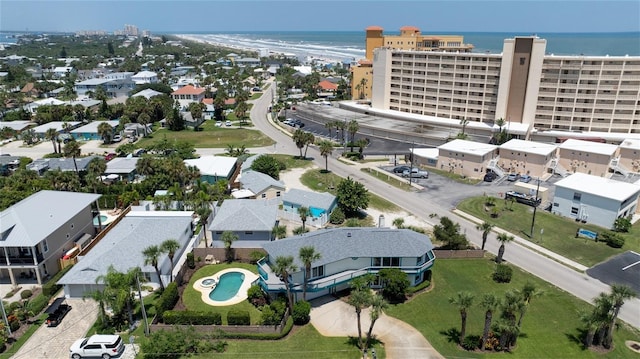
435	201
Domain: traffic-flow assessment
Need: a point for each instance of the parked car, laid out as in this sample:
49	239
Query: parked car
117	138
490	176
139	152
108	157
525	178
416	173
512	177
400	169
56	311
99	345
219	124
228	123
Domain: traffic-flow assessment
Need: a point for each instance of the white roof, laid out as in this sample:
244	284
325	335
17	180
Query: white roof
144	74
14	125
28	222
148	93
599	186
92	127
426	152
470	147
631	143
537	148
213	165
589	146
122	165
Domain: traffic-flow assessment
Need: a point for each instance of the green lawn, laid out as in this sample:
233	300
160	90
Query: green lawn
318	180
193	301
559	232
403	185
453	176
37	323
210	137
550	328
293	161
302	342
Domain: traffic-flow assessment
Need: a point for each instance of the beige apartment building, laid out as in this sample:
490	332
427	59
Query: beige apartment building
410	38
526	157
466	158
523	86
628	157
592	158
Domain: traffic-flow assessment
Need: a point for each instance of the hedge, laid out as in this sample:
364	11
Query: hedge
192	317
238	317
301	312
502	274
168	299
258	336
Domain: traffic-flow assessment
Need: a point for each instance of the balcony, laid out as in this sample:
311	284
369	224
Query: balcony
20	261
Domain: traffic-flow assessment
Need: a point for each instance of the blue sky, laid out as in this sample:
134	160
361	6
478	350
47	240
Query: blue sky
302	15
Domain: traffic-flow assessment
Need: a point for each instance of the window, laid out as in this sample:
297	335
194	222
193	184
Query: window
577	196
264	195
45	246
278	194
522	60
248	232
317	272
574	210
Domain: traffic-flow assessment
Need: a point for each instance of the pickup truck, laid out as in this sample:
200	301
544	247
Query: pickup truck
416	173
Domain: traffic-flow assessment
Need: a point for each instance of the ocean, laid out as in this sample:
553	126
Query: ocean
349	45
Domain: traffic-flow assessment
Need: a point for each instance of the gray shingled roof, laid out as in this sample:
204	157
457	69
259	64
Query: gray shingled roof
122	247
64	164
245	215
257	182
340	243
36	217
322	200
122	165
246	164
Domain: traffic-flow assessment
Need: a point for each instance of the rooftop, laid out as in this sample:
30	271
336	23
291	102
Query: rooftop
258	182
122	165
189	90
599	186
322	200
245	215
589	146
470	147
537	148
213	165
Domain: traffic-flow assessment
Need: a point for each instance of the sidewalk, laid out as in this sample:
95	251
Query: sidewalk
558	258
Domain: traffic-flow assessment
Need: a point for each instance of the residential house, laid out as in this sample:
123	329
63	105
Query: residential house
124	167
62	71
8	164
133	130
527	157
36	231
30	90
466	158
122	247
593	158
117	84
258	185
251	221
213	168
33	106
628	157
145	77
59	126
320	205
248	61
327	88
345	254
43	165
595	199
17	126
147	93
89	131
187	95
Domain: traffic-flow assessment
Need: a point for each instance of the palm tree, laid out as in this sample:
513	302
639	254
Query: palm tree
309	139
307	256
51	134
72	149
398	223
528	292
352	129
228	238
299	138
512	304
303	212
279	232
464	122
463	300
360	299
170	247
100	297
489	303
203	214
602	314
486	228
329	126
378	306
591	325
503	238
326	149
151	255
283	266
619	294
342	126
105	130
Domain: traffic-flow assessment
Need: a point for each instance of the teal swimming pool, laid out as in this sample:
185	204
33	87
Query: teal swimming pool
227	287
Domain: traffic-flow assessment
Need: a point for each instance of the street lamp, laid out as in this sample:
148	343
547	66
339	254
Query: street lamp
535	207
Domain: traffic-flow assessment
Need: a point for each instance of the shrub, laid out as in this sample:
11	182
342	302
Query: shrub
336	216
255	256
269	316
189	317
471	342
613	239
256	296
352	222
14	322
238	317
191	263
502	273
395	284
300	230
419	287
622	224
25	294
50	289
301	312
37	304
168	299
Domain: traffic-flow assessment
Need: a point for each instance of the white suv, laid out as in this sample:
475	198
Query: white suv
99	345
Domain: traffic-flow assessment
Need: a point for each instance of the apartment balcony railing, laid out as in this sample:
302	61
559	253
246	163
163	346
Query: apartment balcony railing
20	260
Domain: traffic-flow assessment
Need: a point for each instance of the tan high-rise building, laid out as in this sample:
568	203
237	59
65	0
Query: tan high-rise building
522	86
409	38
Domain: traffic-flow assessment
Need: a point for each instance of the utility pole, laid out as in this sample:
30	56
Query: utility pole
411	161
144	312
535	206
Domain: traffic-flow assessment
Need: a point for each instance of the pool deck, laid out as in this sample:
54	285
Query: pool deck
110	217
249	278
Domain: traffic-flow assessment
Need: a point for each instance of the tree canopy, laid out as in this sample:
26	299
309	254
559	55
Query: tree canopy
352	196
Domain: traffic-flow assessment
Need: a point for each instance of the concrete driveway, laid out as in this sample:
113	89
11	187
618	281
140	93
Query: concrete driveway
55	342
335	318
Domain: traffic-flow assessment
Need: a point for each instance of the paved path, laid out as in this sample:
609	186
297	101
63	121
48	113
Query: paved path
335	318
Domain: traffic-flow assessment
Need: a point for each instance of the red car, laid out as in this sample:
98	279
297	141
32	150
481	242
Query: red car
110	156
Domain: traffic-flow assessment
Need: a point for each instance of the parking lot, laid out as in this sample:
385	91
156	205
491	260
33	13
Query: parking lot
622	269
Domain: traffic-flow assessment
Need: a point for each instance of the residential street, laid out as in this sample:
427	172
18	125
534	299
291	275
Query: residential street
422	205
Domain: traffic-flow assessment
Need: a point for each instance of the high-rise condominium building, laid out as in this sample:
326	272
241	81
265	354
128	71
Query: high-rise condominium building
522	85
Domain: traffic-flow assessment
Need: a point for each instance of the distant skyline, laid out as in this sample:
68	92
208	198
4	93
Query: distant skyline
167	16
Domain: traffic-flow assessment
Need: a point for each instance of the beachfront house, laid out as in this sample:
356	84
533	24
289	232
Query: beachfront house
122	247
346	253
36	231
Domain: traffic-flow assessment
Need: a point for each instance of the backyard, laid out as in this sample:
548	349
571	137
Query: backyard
550	329
558	235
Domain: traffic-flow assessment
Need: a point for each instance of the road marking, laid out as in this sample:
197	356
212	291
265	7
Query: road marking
630	265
